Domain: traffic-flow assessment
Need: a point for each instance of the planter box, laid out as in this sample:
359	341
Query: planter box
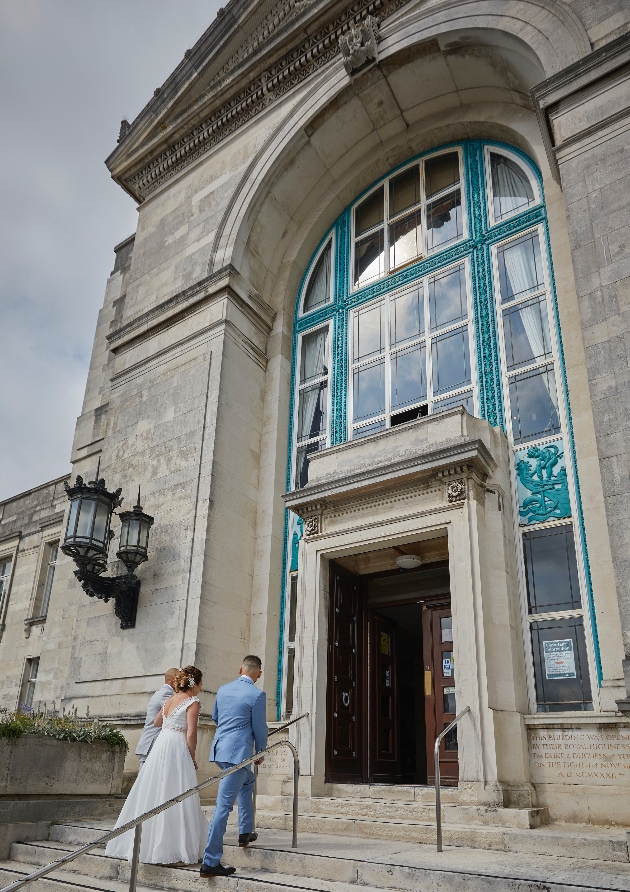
43	766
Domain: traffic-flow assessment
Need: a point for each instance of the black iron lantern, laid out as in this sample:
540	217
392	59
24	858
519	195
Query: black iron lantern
87	539
134	536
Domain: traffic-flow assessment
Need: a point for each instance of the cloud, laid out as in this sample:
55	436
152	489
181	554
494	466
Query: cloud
70	70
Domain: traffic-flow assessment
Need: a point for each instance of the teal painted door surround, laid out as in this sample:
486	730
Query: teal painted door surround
532	478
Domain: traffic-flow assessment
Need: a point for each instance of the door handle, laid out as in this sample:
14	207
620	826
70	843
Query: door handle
345	699
428	682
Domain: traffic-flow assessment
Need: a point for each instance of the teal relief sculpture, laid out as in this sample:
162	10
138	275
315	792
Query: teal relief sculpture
295	545
543	491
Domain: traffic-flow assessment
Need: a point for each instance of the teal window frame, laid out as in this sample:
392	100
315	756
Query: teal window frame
481	234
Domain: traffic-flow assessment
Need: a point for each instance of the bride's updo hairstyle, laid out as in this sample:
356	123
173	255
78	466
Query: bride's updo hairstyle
187	678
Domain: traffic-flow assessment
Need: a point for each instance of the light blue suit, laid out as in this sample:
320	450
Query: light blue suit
240	711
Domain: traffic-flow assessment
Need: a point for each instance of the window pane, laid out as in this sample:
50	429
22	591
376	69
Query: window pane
561	665
318	290
369	258
312	412
5	569
520	268
293	608
407	317
86	515
511	188
302	461
368	391
369	333
369	213
409	415
449	700
441	172
288	708
50	576
101	524
451	361
368	429
526	329
462	399
447	298
534	404
409	383
404	190
551	570
313	360
444	221
72	516
405	239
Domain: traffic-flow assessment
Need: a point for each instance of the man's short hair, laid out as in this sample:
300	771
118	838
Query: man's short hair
171	673
252	663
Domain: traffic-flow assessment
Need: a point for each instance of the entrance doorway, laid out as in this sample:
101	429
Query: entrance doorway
391	676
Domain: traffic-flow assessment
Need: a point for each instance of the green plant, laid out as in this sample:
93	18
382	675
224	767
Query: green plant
67	726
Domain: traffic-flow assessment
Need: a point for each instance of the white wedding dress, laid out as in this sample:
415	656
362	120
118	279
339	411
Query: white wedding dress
179	833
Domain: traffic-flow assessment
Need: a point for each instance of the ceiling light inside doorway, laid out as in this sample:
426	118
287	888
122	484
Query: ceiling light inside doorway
408	562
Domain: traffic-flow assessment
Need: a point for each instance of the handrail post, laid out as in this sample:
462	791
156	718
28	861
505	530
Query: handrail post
296	784
436	757
255	794
133	876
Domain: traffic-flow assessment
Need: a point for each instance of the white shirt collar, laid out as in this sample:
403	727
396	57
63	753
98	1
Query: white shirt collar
245	678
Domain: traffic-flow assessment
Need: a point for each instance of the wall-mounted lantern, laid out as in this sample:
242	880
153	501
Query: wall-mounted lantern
87	539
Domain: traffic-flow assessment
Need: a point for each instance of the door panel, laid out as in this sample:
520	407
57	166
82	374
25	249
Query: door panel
439	678
385	748
344	735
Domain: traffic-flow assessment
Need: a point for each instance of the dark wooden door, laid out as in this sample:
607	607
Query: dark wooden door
384	725
344	737
439	690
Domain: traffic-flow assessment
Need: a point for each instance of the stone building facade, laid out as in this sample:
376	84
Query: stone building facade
366	356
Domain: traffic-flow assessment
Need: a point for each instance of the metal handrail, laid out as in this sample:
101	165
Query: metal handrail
255	794
436	755
137	822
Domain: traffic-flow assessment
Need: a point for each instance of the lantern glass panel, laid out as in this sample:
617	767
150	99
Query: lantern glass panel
86	518
72	517
134	532
101	524
144	535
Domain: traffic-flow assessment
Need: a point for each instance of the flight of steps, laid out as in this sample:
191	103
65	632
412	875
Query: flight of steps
558	858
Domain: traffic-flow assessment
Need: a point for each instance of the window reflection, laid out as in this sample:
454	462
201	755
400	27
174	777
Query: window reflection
520	267
369	213
461	399
534	404
405	240
526	329
444	221
369	390
408	376
451	361
447	298
369	258
511	189
441	172
368	332
318	289
407	316
404	190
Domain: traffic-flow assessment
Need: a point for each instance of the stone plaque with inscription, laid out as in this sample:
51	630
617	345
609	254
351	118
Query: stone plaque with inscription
592	755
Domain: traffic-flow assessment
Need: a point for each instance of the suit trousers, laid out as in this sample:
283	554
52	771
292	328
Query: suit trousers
239	784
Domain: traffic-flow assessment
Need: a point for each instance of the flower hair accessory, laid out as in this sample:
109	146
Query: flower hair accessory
191	681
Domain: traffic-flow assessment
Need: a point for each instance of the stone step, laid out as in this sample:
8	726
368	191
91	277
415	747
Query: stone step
382	809
550	840
338	864
396	792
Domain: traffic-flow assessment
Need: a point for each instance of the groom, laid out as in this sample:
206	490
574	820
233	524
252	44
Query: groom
240	711
150	732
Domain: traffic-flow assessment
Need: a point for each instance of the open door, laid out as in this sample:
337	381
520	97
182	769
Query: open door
344	731
384	705
439	689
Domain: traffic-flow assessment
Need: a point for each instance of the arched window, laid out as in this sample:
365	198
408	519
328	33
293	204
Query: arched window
434	289
318	290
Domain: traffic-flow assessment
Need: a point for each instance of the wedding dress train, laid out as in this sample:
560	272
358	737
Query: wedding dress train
178	833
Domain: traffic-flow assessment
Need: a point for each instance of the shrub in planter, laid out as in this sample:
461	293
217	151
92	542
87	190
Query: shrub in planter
44	753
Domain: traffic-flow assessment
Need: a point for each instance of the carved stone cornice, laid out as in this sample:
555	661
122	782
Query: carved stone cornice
276	58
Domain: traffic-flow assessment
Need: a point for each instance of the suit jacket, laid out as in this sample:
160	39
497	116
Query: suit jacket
240	713
150	732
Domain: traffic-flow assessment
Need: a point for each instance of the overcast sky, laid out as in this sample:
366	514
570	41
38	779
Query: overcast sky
70	70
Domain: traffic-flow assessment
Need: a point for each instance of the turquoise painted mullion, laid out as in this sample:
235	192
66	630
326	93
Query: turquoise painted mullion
486	341
339	375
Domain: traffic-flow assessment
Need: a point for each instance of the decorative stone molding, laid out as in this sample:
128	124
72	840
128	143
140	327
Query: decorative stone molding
456	491
311	526
359	44
296	64
311	514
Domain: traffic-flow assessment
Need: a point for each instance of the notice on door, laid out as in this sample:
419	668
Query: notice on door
591	755
559	659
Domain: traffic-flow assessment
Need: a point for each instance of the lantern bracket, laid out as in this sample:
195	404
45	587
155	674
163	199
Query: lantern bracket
124	589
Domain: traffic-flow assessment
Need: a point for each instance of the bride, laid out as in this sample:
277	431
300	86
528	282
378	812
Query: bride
179	833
